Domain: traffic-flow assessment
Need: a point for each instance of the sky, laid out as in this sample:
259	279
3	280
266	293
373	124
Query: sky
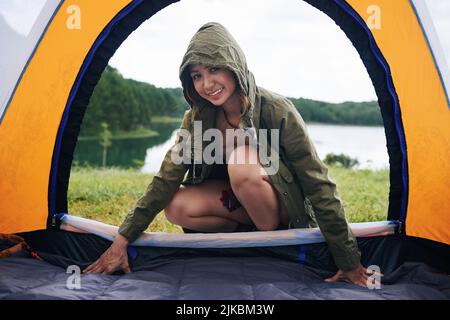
291	47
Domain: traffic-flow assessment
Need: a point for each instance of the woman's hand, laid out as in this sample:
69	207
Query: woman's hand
357	276
113	259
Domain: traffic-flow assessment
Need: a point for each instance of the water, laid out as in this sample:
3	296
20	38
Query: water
123	152
155	155
366	144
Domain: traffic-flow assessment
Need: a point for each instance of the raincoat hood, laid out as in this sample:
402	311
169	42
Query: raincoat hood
212	45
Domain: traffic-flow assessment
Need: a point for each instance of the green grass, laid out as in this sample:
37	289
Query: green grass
364	193
107	195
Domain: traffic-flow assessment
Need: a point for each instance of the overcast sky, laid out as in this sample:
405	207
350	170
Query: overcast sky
291	47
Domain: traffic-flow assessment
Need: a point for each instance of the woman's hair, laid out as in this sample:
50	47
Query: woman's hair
196	99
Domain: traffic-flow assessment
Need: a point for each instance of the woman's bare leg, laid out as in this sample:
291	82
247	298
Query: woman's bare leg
253	187
200	208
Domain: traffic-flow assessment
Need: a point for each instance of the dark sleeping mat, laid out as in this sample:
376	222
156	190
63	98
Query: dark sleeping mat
412	268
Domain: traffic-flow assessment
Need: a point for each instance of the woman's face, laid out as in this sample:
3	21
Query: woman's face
215	85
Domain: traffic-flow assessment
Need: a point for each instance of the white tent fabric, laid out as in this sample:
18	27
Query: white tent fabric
225	240
434	43
18	46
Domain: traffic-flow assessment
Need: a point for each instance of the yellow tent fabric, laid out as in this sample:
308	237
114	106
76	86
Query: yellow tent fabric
34	112
29	127
425	115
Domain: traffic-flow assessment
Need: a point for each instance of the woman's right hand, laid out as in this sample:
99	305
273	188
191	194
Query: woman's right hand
113	259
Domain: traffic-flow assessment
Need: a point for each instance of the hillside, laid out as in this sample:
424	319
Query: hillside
128	105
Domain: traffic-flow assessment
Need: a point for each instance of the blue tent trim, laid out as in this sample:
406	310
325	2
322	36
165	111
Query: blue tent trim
398	121
90	57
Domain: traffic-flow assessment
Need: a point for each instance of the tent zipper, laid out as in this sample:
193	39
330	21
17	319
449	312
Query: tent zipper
400	227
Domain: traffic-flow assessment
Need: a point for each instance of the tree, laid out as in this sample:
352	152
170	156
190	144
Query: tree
105	141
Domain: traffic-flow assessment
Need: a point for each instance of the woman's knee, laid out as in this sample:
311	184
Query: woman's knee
177	208
243	176
270	225
240	177
244	154
188	202
246	171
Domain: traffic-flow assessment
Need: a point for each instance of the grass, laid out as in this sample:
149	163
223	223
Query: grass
364	193
107	195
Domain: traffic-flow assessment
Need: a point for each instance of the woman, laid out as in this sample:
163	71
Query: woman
239	195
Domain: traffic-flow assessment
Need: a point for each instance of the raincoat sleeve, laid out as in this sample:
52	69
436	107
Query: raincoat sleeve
159	193
321	191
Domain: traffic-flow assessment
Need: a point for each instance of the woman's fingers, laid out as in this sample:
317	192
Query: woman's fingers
103	267
374	273
126	269
361	283
111	260
110	269
334	278
106	272
92	266
97	268
361	277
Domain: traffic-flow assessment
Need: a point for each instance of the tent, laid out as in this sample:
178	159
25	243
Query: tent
48	77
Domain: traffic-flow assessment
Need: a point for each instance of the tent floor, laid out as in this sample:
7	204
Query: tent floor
412	269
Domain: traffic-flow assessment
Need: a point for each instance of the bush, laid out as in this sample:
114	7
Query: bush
340	160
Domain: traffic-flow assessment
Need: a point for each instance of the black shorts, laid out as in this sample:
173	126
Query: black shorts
219	172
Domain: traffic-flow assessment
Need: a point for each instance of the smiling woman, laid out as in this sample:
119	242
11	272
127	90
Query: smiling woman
217	85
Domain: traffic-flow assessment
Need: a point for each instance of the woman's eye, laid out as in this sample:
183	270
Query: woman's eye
195	77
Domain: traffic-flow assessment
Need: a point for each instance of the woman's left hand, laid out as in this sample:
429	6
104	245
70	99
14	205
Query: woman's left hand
357	276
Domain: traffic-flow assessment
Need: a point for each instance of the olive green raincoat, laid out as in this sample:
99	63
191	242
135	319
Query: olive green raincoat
301	173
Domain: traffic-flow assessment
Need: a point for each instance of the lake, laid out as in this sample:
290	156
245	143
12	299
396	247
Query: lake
366	144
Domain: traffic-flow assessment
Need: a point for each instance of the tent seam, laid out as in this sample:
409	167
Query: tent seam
180	280
244	276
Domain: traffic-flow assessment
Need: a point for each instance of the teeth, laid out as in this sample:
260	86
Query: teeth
216	92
